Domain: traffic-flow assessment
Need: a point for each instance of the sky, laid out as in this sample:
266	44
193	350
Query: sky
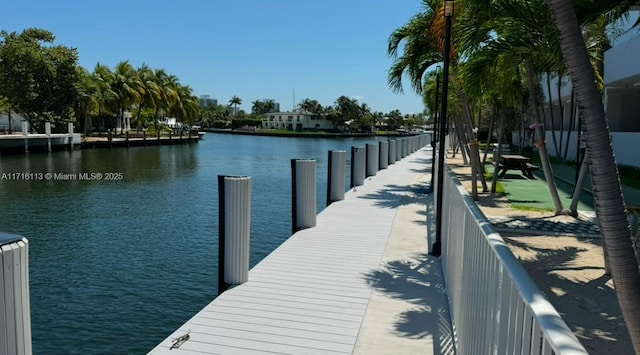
254	49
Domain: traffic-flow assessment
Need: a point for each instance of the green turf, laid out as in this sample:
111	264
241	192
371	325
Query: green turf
533	194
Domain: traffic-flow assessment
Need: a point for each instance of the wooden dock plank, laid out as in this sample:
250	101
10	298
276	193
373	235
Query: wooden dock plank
310	295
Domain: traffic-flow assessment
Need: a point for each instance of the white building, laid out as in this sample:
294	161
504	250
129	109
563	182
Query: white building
621	100
296	121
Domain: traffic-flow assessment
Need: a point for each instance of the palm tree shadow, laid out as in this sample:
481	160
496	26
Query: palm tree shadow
586	303
418	282
393	196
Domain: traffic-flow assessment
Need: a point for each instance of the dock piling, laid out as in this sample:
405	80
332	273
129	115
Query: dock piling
303	194
47	131
357	166
383	155
234	221
337	166
372	160
15	317
392	151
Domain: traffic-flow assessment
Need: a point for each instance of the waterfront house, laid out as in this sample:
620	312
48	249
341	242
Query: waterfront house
296	121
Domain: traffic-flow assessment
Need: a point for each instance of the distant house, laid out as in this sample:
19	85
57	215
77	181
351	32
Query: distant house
296	121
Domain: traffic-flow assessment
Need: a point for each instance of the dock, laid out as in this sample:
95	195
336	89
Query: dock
360	282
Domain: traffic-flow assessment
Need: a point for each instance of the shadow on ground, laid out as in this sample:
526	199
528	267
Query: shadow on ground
417	281
572	279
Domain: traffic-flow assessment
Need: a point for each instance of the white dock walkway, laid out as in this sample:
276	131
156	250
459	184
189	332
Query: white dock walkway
359	282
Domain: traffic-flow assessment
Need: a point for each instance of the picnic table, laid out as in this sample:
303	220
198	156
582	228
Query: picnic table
516	162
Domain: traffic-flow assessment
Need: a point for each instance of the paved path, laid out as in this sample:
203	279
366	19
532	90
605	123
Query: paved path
543	226
359	282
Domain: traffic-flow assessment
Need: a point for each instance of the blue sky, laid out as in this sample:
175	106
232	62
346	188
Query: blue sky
255	49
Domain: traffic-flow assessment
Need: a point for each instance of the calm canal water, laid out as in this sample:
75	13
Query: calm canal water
116	266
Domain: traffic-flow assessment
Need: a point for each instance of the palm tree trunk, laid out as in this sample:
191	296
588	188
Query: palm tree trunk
582	177
494	180
607	192
552	116
486	149
539	141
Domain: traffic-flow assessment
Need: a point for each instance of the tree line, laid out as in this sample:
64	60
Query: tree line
44	83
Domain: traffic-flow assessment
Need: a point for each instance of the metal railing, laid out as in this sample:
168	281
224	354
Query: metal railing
495	305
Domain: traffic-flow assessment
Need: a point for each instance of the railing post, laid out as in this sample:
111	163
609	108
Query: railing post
15	314
337	166
234	221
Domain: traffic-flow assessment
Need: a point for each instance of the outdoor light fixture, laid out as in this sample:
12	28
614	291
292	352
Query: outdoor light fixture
448	8
448	12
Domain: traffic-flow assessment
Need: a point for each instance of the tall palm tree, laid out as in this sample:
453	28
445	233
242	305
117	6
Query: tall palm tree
128	88
87	99
608	198
166	91
152	94
420	41
235	101
107	106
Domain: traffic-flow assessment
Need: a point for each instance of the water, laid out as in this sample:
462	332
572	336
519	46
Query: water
117	266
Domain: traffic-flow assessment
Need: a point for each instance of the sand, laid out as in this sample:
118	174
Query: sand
570	272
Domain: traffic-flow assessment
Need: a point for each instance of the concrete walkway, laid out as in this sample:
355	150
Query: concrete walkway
408	311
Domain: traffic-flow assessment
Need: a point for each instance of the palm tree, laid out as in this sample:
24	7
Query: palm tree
235	101
106	96
608	199
128	88
422	47
87	100
152	91
166	91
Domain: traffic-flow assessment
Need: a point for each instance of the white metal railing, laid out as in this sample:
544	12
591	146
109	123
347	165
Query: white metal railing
496	307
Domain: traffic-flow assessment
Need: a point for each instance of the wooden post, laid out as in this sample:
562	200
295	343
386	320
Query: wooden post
110	138
127	139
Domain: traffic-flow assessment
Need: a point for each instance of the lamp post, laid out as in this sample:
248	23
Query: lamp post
448	13
435	127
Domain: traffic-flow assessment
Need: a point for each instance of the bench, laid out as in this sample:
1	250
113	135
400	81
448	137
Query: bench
532	167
